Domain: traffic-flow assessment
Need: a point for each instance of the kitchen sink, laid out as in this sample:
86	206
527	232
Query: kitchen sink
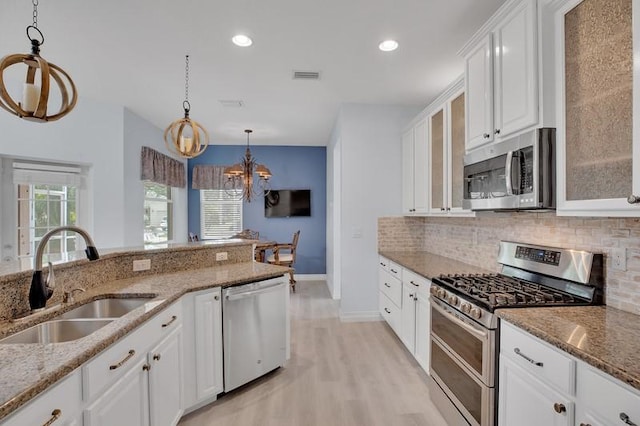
57	331
104	308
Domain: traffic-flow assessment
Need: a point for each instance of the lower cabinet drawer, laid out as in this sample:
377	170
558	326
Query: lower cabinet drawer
609	400
391	287
538	358
60	404
390	312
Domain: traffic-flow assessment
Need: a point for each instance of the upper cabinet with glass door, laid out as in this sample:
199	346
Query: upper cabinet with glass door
598	155
504	76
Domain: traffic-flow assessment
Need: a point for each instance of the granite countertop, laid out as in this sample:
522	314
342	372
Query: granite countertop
604	337
431	265
28	369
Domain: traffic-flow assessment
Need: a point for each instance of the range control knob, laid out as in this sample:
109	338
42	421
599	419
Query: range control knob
453	299
476	313
433	290
441	293
466	308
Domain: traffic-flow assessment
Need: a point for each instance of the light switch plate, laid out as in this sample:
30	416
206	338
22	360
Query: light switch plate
141	265
222	256
619	259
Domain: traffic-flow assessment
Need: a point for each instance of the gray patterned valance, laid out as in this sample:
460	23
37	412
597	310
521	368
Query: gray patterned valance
159	168
208	177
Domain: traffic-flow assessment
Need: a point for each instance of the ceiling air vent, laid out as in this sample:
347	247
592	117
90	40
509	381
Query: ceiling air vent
306	75
231	103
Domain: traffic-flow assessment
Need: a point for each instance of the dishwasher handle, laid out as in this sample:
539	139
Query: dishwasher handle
245	294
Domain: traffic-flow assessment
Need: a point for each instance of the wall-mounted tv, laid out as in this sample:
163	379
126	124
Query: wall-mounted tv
287	202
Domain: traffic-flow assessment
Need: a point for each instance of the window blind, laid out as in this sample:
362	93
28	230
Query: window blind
220	214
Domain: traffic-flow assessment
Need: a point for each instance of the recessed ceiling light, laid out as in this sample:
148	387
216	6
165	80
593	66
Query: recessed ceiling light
242	40
388	45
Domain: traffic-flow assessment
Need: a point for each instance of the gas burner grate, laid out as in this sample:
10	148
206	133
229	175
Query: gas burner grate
495	290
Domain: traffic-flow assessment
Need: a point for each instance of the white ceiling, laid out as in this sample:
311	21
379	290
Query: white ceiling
131	52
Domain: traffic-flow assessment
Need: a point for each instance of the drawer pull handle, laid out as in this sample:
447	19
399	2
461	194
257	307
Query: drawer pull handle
559	408
417	285
387	285
625	418
387	311
156	357
383	264
167	324
121	363
532	361
55	415
394	271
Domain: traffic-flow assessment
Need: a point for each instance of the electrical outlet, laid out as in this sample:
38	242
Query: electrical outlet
222	256
141	265
619	259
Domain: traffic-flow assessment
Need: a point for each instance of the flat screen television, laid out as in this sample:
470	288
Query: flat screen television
287	203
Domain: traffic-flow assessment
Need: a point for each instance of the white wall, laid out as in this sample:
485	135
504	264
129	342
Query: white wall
138	133
93	135
333	211
371	186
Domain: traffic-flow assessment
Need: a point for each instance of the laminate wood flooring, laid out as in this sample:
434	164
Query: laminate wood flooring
351	373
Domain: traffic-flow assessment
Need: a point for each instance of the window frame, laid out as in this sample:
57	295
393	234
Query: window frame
169	201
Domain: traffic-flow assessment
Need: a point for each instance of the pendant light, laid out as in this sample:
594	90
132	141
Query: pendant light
186	137
38	82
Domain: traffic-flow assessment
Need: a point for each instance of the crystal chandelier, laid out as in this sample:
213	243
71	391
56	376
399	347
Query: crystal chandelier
186	137
240	177
41	77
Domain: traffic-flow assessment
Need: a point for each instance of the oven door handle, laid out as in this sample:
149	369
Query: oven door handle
481	334
507	173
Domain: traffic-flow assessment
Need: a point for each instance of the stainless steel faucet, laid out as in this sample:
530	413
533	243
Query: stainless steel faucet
40	290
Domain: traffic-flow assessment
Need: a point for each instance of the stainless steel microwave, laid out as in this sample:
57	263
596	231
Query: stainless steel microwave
514	174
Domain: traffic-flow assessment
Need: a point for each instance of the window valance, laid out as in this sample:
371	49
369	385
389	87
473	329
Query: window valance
160	168
208	177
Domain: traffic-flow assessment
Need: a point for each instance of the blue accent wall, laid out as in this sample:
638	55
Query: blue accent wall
293	167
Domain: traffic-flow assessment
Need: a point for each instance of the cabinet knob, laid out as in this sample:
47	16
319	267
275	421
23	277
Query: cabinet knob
625	418
497	131
448	209
633	199
585	424
216	297
442	209
387	310
486	135
146	367
559	408
156	357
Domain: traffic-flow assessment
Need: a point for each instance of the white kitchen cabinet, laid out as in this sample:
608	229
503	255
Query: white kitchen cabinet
542	384
203	376
125	403
502	76
165	380
63	402
526	401
390	293
408	321
597	134
414	169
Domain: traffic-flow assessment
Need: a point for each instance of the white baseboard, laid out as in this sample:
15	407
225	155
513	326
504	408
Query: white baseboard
364	316
310	277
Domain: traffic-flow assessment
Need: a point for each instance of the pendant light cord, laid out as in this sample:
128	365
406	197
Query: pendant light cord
186	105
35	13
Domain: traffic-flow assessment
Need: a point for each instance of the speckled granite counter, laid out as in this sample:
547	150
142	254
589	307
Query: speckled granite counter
606	338
27	370
430	265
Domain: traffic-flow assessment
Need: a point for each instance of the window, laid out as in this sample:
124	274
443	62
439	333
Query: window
220	214
158	213
48	196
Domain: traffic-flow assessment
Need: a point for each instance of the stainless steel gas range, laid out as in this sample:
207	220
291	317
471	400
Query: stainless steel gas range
464	327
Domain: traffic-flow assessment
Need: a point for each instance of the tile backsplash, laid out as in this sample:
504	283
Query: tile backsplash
475	241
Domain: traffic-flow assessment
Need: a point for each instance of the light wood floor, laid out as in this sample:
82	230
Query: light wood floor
339	374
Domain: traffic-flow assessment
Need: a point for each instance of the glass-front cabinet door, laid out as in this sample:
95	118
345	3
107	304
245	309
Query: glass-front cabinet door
456	152
438	161
598	156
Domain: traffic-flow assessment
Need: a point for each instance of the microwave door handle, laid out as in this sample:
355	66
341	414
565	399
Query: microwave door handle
507	173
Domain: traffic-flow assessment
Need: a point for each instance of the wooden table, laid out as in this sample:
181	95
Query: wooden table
261	249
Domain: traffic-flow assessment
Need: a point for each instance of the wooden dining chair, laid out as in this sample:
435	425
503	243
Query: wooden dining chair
285	255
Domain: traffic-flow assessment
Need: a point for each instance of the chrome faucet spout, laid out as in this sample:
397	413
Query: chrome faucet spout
40	290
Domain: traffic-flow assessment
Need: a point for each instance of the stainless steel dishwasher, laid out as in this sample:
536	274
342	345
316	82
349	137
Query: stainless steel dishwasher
254	321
